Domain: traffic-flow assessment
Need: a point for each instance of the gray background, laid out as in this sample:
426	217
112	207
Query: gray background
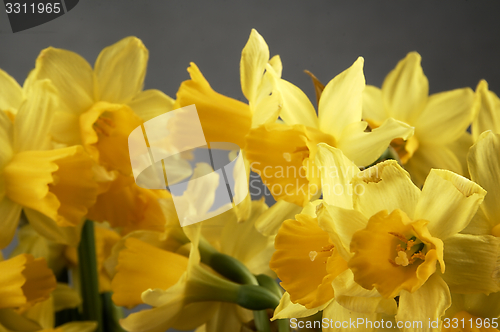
457	39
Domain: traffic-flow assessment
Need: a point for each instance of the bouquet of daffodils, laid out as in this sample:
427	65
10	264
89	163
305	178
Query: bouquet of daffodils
387	213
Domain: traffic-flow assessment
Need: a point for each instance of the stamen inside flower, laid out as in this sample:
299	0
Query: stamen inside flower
325	252
410	253
104	126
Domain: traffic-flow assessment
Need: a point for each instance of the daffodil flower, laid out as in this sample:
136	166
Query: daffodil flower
440	120
99	108
283	154
488	114
25	281
40	316
394	236
57	193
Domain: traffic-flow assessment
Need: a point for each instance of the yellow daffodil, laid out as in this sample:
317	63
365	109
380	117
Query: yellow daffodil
25	281
440	120
56	194
40	316
393	236
257	84
99	108
283	154
488	116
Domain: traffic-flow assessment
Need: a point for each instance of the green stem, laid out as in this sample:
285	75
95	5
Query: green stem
283	325
111	314
271	284
261	319
91	302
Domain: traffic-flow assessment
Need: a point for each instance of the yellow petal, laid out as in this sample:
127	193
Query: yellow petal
484	167
373	107
254	58
341	101
489	111
70	74
405	89
120	70
429	156
140	268
352	296
337	171
11	212
363	148
448	201
34	118
460	148
25	280
151	103
153	320
385	186
276	64
65	297
6	136
281	171
270	221
415	306
445	117
472	263
214	108
12	93
306	261
297	108
66	128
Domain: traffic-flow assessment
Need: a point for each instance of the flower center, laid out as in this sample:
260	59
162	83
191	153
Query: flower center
104	126
408	251
325	252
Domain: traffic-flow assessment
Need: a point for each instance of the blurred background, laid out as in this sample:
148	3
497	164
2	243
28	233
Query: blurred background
459	40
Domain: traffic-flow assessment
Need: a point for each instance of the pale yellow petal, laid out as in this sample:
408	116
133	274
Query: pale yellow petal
297	108
267	103
460	148
153	320
373	107
120	70
448	201
341	101
288	309
66	128
363	148
445	117
341	224
6	136
472	263
416	306
385	186
254	58
71	75
270	221
484	167
489	111
429	156
79	327
10	212
34	118
337	171
51	230
275	62
345	318
65	297
11	321
12	94
151	103
405	89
